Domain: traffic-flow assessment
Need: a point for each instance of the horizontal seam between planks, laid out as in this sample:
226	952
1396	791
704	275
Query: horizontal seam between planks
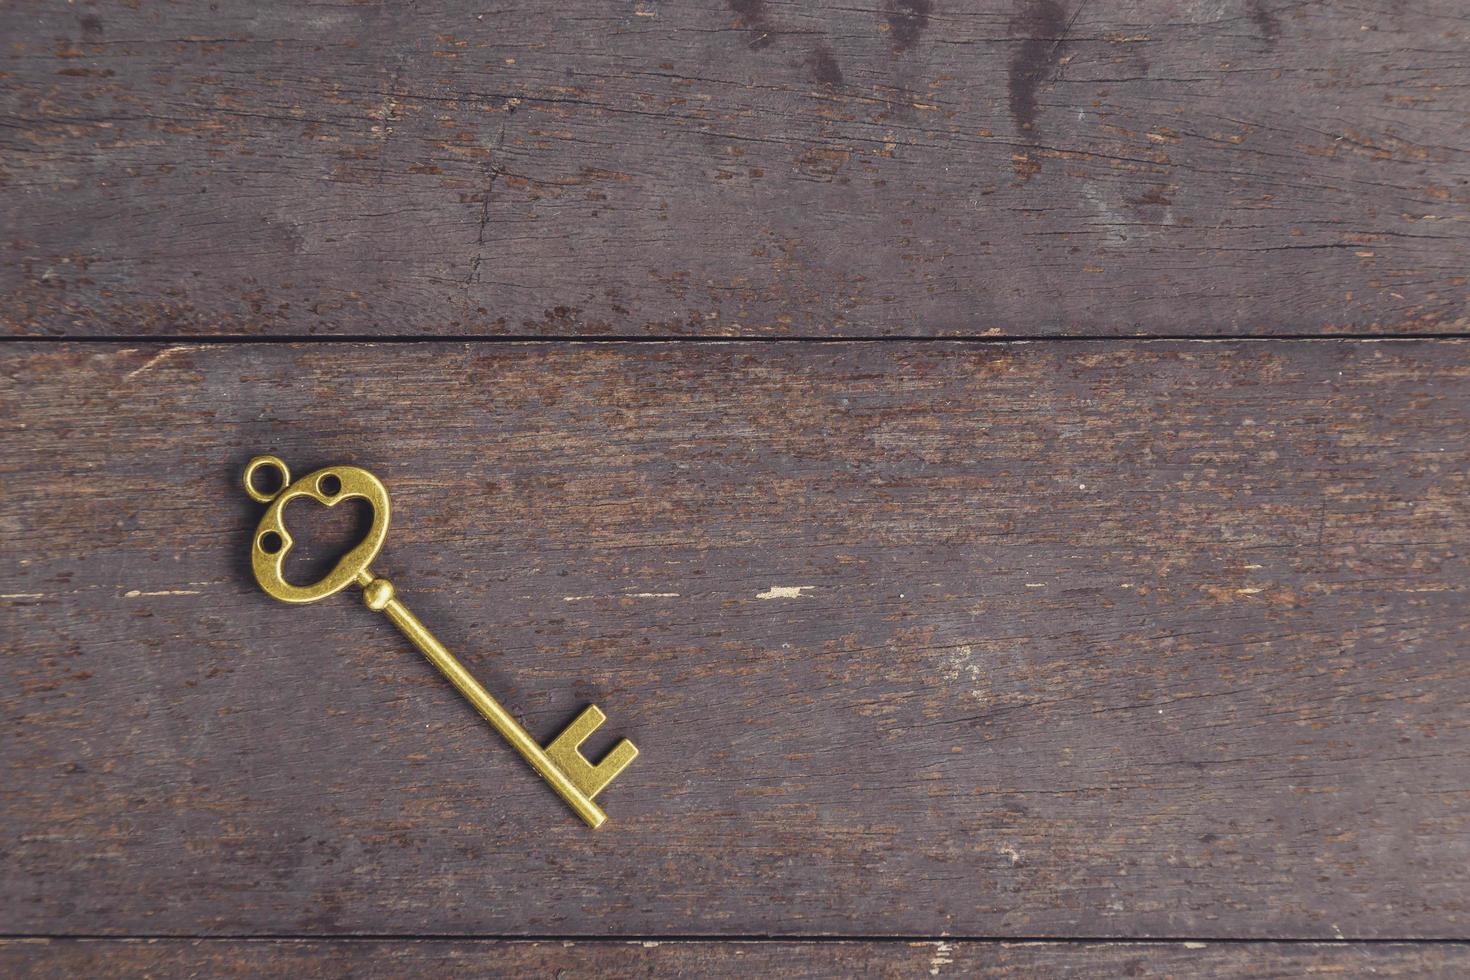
733	938
658	340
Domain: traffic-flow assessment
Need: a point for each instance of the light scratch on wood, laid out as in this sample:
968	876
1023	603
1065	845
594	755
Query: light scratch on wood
628	595
159	358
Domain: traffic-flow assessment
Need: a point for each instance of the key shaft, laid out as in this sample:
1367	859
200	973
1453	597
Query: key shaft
381	597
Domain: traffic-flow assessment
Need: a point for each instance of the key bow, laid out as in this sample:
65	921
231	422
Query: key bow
330	485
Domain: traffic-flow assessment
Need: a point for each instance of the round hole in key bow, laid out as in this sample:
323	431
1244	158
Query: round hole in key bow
322	534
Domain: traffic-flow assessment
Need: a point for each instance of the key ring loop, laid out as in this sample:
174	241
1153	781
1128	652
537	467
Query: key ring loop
255	466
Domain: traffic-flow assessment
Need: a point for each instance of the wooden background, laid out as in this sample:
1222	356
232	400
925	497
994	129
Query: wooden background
1006	464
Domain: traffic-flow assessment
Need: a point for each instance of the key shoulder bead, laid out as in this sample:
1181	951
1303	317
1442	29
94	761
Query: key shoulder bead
377	594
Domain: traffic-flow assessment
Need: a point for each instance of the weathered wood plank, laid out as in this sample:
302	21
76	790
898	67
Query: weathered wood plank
751	167
398	958
1001	640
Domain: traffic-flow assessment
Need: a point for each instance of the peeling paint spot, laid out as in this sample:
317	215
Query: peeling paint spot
784	592
962	664
941	958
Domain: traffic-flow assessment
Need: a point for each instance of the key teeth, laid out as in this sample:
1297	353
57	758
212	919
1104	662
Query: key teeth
589	778
614	762
589	721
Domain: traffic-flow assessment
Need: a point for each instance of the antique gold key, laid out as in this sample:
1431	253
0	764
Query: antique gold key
560	763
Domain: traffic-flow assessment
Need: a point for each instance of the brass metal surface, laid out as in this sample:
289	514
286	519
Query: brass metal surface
560	763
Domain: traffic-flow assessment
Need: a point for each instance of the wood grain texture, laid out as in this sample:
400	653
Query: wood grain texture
753	167
1058	639
295	959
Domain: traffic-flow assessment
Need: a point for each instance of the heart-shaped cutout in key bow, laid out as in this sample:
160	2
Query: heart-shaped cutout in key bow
331	486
